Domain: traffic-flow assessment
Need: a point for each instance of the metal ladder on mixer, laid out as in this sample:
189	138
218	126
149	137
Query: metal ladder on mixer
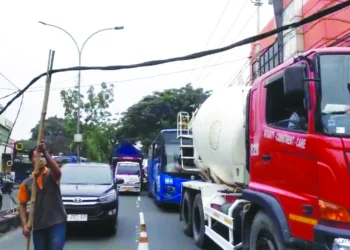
186	144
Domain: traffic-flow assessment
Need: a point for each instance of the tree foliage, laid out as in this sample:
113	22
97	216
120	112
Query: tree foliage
97	124
55	136
144	120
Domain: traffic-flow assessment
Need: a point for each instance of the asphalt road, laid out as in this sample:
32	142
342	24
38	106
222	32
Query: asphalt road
6	200
164	230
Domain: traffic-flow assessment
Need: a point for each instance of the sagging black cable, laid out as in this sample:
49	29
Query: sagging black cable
245	41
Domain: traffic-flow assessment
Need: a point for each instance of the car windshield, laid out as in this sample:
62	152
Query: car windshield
335	96
89	175
128	169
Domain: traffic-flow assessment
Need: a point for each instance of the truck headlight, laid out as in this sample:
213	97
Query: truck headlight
341	244
110	196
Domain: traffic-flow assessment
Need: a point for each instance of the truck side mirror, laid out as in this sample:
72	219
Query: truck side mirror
293	80
119	181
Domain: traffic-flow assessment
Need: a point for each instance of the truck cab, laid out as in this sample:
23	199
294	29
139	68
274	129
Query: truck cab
299	130
130	172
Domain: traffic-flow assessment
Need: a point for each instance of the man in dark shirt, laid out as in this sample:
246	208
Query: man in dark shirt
49	224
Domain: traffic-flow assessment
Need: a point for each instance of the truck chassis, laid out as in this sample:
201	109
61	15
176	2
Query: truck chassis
237	227
210	193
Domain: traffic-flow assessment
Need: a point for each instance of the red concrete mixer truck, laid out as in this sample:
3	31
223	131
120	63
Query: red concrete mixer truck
275	159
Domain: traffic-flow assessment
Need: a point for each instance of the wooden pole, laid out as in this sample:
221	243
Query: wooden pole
40	137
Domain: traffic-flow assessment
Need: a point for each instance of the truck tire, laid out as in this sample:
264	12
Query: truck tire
198	224
264	233
186	212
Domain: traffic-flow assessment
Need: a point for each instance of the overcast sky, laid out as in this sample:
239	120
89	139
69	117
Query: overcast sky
152	30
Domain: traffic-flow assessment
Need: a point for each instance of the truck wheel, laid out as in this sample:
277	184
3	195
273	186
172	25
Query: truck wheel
198	223
264	233
186	212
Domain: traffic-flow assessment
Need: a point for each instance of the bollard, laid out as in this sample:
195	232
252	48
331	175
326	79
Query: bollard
143	239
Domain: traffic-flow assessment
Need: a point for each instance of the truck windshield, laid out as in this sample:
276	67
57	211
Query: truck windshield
335	100
123	169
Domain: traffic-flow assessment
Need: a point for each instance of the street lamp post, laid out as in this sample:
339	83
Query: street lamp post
78	137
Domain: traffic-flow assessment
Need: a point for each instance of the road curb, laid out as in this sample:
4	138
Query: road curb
9	222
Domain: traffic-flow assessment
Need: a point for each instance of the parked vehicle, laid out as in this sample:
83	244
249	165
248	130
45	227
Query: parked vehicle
145	178
1	199
6	184
131	174
62	159
90	195
272	181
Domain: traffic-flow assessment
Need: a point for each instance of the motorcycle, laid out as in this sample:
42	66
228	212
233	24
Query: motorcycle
145	179
6	184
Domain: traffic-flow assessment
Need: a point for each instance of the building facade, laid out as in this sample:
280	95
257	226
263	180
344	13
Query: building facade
332	30
6	145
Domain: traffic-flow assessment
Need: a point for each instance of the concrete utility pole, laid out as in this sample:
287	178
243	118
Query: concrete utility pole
258	4
78	138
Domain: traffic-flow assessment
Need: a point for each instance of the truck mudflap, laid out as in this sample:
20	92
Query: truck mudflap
326	238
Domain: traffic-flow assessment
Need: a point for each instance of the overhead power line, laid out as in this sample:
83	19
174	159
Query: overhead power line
18	112
232	24
9	81
222	55
145	77
6	96
245	41
211	35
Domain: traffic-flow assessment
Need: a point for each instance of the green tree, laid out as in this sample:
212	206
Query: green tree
143	120
55	136
97	123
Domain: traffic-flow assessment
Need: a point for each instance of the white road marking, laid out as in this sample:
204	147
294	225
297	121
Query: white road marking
142	219
139	198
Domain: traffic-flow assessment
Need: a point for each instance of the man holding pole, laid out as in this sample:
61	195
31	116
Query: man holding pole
49	225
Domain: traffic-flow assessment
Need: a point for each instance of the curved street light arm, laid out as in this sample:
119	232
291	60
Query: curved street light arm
75	42
82	47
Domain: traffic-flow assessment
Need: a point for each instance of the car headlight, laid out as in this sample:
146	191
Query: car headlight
136	182
110	196
341	244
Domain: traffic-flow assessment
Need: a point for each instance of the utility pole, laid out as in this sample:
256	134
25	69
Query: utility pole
78	137
258	4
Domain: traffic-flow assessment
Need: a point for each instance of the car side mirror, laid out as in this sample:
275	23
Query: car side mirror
293	79
119	181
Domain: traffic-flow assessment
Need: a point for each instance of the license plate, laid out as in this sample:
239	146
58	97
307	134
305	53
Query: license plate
127	188
77	217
